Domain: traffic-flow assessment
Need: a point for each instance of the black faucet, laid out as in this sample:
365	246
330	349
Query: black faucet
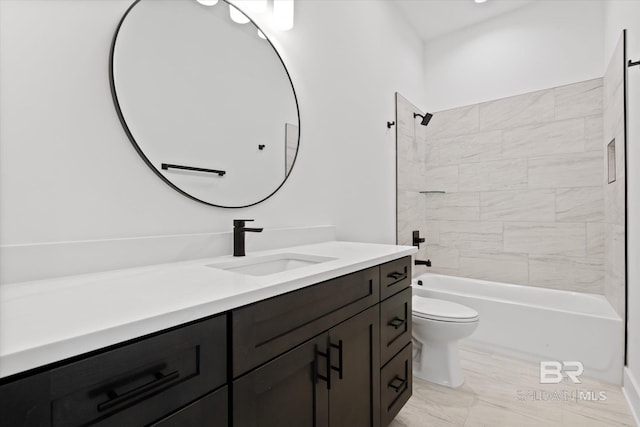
421	262
238	235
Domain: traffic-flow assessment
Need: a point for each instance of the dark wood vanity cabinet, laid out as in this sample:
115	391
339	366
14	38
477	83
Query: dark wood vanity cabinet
336	353
331	354
325	340
330	380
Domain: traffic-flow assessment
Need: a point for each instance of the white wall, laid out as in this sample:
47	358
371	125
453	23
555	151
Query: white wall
68	172
542	45
619	15
347	60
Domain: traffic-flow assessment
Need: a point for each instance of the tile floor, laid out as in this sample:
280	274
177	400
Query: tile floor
500	391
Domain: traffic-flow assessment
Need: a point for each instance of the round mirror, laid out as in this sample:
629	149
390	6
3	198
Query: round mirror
207	102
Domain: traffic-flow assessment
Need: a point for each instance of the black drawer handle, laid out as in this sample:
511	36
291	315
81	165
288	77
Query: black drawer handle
339	368
118	399
396	275
397	383
316	374
396	322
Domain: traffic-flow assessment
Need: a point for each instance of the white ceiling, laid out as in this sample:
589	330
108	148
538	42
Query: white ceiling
433	18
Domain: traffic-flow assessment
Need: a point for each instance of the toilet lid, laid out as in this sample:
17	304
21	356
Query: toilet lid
437	309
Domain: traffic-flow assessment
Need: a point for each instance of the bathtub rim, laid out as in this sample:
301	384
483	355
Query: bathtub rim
612	315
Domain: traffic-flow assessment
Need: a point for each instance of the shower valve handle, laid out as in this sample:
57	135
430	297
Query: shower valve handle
417	239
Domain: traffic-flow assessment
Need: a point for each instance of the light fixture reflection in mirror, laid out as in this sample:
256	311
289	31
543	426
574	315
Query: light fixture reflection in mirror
237	16
283	14
208	2
281	17
163	58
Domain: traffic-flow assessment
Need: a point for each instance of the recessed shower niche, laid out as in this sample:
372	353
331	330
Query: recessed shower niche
207	103
611	161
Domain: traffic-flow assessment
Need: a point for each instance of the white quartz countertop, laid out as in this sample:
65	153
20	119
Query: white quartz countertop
46	321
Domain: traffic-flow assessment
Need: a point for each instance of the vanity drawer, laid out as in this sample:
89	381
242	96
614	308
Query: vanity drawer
395	324
396	385
141	382
395	276
268	328
25	402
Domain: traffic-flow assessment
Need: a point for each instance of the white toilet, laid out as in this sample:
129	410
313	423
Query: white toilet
438	325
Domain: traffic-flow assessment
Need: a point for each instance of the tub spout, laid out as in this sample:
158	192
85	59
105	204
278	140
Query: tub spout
421	262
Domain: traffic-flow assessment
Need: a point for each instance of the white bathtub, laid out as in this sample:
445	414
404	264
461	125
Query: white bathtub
537	324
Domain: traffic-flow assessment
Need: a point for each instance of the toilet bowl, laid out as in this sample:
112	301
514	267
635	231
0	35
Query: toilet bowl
438	325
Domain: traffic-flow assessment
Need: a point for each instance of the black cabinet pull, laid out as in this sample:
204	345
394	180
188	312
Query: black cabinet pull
339	368
316	374
116	399
397	383
396	322
396	275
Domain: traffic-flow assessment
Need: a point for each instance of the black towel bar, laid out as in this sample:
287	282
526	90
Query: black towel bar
166	166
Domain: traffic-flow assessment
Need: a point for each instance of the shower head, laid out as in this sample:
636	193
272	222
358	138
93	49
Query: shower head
425	118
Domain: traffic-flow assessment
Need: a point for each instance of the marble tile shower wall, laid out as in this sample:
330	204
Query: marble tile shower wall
524	199
614	192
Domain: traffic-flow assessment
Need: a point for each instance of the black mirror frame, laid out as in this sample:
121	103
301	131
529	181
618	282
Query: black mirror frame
146	159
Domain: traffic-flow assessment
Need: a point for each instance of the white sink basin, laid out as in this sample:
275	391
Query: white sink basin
269	264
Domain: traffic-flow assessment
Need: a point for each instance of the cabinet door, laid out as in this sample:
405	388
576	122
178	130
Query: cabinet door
354	398
287	391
